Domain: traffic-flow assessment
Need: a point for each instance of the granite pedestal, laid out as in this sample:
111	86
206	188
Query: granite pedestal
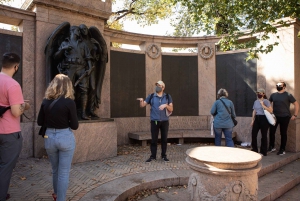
223	173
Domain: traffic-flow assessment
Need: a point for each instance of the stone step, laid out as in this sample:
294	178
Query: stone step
291	195
273	162
277	182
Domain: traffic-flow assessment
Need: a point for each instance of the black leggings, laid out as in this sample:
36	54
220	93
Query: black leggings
284	123
260	123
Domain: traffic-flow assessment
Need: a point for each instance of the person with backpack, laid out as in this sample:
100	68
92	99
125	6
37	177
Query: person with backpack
161	108
13	105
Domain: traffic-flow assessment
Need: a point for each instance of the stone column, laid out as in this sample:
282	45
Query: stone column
223	173
282	64
206	76
28	84
153	66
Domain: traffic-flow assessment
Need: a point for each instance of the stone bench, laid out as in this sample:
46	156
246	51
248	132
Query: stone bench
179	134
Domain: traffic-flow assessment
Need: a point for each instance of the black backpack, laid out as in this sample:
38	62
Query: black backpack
151	96
3	110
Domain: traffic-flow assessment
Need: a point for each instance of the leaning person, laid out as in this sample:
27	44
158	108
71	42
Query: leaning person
281	101
260	122
59	139
10	129
161	103
222	118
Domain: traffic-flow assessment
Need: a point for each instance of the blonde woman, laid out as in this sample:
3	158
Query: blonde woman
58	113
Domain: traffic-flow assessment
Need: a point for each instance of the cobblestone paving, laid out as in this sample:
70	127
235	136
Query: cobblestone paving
32	181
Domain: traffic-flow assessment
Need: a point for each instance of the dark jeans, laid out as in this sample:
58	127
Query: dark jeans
260	123
163	126
284	123
10	148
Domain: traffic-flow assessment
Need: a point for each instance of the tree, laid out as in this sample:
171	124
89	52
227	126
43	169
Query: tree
145	12
232	20
5	1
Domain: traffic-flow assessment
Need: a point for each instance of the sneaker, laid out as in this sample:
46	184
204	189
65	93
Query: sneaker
281	152
271	149
165	159
150	159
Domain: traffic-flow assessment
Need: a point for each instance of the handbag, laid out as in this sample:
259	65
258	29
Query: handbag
168	113
235	122
270	117
43	128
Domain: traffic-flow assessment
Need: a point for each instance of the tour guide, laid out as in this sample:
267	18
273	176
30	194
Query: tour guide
161	107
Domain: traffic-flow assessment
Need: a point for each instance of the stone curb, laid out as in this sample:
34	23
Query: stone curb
120	189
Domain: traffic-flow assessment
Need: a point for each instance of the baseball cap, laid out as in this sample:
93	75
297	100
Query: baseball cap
261	91
161	83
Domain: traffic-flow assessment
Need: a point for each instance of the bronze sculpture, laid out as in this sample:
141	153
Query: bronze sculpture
80	53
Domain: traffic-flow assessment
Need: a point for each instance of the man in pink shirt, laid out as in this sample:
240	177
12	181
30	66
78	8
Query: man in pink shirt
10	128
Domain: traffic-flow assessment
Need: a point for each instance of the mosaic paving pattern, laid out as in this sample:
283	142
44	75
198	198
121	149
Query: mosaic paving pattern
32	179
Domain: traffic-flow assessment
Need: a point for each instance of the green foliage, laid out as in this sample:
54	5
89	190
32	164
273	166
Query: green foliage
4	1
229	19
145	12
236	19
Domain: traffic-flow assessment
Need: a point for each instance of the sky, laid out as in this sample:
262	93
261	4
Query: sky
162	28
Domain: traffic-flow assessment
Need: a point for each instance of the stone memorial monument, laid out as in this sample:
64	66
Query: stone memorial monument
81	53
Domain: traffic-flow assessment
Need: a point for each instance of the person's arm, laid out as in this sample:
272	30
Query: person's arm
142	102
41	116
296	105
16	101
233	110
253	117
167	106
18	109
73	120
213	109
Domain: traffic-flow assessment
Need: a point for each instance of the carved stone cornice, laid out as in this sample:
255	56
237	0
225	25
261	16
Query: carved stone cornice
74	8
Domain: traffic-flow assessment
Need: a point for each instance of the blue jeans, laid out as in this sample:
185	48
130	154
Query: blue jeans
60	146
228	136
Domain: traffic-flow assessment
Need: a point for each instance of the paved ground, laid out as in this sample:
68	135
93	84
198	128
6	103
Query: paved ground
31	179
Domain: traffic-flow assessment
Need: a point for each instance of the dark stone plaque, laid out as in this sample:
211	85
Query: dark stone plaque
11	43
239	78
127	81
180	74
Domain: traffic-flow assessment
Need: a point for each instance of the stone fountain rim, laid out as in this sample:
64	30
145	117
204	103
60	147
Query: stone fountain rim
220	161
